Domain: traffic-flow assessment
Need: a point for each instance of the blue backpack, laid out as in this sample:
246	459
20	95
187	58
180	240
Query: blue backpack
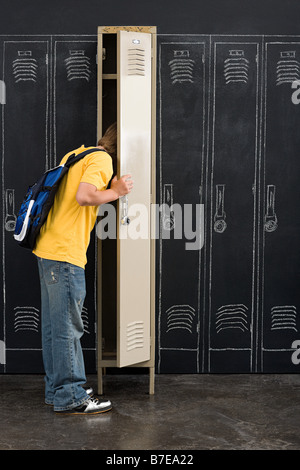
39	200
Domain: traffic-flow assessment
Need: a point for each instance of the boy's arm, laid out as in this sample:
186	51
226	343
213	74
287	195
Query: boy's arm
88	195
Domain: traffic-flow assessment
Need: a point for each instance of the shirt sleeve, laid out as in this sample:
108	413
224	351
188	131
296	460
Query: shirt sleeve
98	170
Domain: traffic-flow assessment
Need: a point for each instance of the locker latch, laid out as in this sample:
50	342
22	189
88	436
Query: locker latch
125	220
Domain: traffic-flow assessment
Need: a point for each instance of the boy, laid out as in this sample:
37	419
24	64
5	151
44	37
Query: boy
61	251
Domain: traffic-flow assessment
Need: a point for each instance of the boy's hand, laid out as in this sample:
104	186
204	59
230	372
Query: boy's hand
122	186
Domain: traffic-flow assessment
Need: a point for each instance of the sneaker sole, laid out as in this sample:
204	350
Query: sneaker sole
82	413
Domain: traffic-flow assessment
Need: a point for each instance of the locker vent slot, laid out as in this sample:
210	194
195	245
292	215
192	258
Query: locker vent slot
78	66
232	316
236	67
136	61
135	335
288	68
180	317
25	67
26	318
284	317
85	320
182	67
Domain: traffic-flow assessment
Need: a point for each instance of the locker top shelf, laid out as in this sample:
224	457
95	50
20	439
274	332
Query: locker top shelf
115	29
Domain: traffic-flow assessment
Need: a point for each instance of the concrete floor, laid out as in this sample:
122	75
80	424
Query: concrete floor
187	412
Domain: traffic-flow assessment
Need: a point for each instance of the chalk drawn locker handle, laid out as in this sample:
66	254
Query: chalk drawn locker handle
271	222
10	216
168	218
220	214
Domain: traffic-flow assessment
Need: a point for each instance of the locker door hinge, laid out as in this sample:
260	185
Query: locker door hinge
103	53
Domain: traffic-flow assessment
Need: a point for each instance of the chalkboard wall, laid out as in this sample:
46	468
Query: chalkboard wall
227	138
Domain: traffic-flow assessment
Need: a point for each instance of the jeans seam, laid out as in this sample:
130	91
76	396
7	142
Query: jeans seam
70	282
70	332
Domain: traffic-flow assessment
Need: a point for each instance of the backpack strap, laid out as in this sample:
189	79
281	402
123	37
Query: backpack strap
75	158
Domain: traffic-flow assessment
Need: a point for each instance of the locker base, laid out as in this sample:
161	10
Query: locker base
102	372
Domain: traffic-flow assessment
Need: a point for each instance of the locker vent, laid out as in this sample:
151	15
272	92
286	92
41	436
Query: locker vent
135	335
180	317
136	61
232	316
78	66
288	68
26	318
236	67
182	67
25	67
284	317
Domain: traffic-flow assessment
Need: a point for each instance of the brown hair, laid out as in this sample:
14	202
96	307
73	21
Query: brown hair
109	142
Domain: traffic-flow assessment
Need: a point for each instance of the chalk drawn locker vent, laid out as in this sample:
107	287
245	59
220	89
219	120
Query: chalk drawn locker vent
232	316
287	68
25	67
135	335
26	319
284	317
78	66
236	67
136	61
180	317
181	67
85	320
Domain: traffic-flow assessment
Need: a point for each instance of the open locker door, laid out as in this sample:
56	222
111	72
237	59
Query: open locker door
134	157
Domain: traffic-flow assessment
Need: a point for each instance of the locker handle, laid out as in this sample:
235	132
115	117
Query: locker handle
220	214
271	222
10	217
125	220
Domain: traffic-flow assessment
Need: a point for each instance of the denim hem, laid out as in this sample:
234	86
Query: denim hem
74	405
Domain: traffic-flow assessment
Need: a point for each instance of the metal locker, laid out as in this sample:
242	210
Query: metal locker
126	94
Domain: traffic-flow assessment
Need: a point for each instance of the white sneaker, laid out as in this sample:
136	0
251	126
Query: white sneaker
89	407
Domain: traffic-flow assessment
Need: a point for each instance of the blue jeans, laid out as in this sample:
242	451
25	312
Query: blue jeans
62	296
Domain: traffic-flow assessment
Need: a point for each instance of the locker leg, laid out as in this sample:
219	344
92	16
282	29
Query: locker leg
100	381
151	380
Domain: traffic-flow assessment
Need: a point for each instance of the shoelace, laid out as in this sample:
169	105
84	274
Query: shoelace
95	401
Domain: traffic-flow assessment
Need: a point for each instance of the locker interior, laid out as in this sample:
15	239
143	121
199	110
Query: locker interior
108	263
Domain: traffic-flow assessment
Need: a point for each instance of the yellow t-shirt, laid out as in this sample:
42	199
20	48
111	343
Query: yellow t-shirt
65	235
